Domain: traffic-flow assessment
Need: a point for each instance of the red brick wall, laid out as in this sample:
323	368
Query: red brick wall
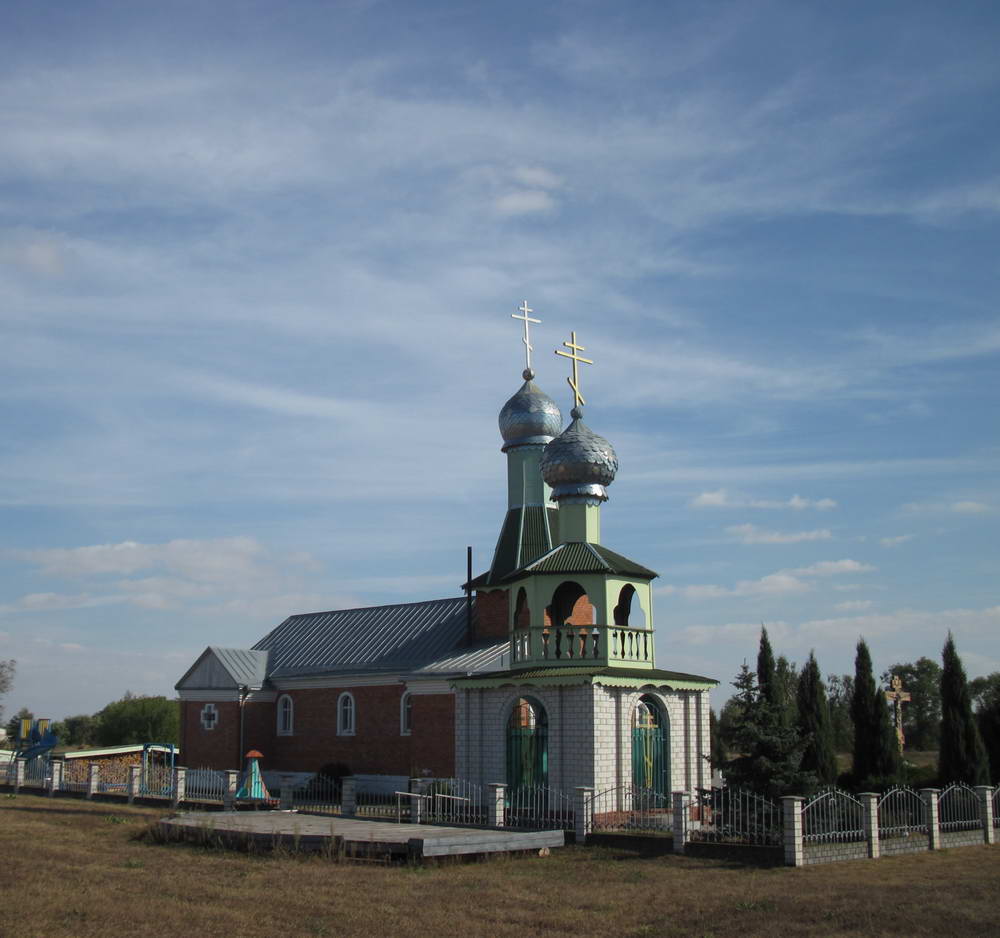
216	748
582	614
490	618
377	746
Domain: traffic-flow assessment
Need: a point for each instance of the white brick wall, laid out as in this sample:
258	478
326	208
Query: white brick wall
590	734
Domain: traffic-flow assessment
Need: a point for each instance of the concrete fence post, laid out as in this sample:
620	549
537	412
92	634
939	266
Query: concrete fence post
93	778
134	782
19	769
869	803
285	798
930	796
179	786
229	795
985	793
682	820
495	804
348	798
583	815
56	776
791	807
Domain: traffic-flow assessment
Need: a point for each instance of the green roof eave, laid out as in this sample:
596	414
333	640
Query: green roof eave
609	677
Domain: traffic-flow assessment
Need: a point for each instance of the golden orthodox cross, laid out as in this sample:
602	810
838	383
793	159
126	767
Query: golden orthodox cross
524	309
897	697
574	382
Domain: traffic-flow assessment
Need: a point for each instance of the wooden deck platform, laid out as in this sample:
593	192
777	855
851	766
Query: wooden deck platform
351	836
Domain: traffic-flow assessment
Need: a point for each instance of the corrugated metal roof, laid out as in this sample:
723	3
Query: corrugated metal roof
404	637
583	557
482	658
247	666
581	674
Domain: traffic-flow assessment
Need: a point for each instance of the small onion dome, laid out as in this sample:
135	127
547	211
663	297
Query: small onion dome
530	416
578	463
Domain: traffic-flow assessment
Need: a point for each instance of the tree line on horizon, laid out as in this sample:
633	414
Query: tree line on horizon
782	730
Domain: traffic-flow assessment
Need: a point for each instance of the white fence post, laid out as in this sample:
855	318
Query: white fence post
19	767
986	811
180	783
229	795
55	779
930	796
494	807
93	778
791	806
134	782
348	798
869	802
682	818
583	820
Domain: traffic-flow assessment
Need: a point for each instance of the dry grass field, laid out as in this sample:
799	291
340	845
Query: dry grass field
86	869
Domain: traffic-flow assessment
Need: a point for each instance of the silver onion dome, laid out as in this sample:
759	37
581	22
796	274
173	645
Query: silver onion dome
578	463
530	416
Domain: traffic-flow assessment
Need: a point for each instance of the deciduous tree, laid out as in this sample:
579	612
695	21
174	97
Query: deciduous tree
138	720
7	669
922	715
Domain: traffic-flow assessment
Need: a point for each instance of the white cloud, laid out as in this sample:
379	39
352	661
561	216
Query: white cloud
721	498
971	508
751	534
895	541
524	202
832	568
854	605
536	177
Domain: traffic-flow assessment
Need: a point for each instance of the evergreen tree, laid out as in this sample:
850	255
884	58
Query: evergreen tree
767	678
876	753
840	693
768	751
818	756
962	757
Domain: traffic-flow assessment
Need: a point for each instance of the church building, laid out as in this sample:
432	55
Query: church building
544	673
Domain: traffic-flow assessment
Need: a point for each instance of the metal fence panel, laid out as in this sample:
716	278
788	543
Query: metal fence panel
204	785
112	778
958	808
901	812
833	816
627	808
320	795
454	801
732	815
539	808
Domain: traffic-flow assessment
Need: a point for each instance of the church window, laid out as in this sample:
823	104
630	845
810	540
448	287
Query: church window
406	714
346	715
209	716
286	715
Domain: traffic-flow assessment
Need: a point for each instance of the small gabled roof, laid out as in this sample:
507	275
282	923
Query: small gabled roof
226	667
403	637
577	557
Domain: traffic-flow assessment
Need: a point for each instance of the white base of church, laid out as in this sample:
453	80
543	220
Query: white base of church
589	735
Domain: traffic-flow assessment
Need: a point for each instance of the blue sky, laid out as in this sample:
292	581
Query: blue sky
257	265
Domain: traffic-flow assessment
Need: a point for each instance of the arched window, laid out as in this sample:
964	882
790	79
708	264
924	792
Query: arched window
521	614
406	714
527	744
650	746
346	715
209	717
286	715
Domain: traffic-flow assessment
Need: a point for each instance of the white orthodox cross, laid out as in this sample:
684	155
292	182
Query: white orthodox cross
524	309
574	382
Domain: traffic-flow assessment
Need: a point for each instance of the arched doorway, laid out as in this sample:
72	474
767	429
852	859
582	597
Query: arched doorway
650	746
527	744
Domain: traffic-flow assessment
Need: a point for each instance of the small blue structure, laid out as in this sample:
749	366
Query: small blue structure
252	790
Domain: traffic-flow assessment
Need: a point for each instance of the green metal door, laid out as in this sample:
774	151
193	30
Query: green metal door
650	750
527	747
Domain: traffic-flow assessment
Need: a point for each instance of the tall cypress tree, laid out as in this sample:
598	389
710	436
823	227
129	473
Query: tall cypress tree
815	729
876	756
962	757
767	684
